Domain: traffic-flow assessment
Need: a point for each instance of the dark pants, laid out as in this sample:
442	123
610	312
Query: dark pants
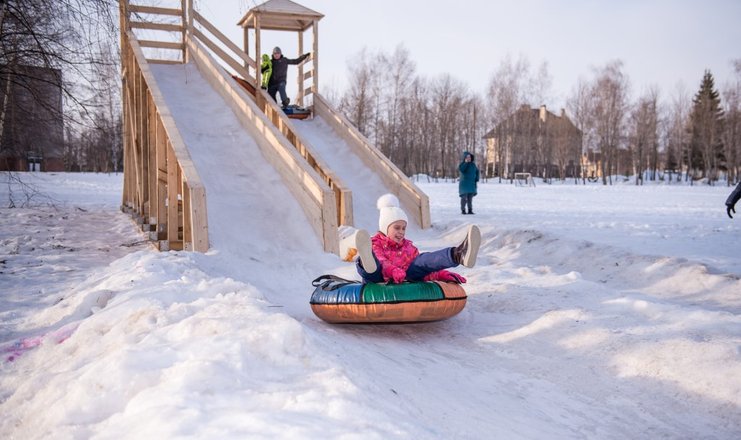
467	200
278	88
423	265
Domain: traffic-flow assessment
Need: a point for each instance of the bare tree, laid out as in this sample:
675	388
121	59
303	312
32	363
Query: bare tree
540	90
506	93
416	122
360	102
644	132
610	98
475	123
448	97
580	107
396	69
56	35
732	126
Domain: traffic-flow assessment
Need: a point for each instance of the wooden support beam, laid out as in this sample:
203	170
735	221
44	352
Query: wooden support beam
153	10
161	160
157	26
152	160
161	44
153	61
172	194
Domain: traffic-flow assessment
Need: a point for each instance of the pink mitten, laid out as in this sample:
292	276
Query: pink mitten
444	275
398	275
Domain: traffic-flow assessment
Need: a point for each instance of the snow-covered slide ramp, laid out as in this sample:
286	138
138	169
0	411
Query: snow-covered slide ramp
241	185
272	150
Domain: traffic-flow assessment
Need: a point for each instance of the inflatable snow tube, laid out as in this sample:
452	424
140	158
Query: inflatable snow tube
336	300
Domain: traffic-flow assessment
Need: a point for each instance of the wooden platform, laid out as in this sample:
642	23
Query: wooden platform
302	114
251	90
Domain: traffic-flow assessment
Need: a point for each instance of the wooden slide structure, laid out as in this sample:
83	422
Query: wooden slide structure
162	189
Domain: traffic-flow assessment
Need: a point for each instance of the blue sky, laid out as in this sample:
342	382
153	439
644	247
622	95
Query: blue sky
660	42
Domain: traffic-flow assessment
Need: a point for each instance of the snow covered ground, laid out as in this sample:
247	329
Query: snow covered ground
593	312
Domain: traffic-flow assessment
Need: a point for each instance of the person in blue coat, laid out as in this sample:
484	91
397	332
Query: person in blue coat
732	199
469	177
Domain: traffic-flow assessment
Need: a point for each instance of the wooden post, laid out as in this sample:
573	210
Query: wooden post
258	57
152	158
172	195
246	46
315	59
161	177
180	195
144	104
186	25
141	130
187	231
199	219
124	101
258	52
300	97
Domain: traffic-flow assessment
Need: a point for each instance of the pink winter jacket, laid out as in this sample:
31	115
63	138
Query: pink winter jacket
394	255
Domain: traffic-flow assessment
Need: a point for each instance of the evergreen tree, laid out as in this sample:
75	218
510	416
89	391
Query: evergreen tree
706	128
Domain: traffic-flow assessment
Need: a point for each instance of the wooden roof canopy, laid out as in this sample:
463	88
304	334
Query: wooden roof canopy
280	15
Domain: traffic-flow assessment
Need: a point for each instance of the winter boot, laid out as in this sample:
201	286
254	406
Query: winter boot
365	251
354	244
466	252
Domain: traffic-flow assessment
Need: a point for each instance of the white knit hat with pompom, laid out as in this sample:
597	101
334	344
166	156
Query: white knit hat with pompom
388	205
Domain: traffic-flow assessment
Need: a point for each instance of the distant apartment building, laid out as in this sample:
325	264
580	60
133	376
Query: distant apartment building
32	127
535	141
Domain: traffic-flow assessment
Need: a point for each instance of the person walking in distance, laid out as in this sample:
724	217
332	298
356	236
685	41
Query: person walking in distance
469	177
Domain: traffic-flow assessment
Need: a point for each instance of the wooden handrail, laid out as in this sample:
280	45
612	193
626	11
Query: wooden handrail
223	39
411	197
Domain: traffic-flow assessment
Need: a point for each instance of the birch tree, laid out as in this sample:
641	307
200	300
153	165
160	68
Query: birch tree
732	126
580	107
677	139
644	137
610	106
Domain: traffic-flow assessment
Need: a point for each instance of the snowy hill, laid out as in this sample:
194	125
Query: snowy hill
594	312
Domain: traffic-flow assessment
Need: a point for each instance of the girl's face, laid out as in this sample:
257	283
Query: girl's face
397	230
